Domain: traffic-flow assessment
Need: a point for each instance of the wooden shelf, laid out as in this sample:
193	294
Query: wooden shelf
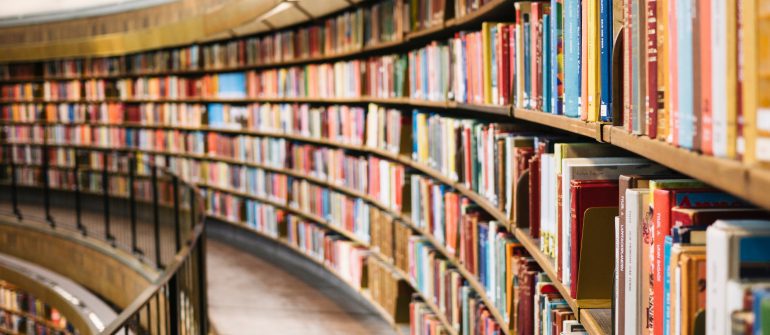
732	176
575	126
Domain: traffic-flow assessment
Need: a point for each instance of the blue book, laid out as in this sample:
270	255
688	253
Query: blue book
557	57
761	306
546	80
415	137
130	141
667	244
572	59
250	214
605	45
483	230
215	115
684	9
232	85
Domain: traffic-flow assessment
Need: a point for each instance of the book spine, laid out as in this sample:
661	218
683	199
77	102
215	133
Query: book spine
628	79
651	101
557	56
572	65
685	132
594	62
719	83
606	45
705	69
545	101
673	71
584	57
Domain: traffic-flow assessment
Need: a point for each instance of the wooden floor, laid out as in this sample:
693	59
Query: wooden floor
249	295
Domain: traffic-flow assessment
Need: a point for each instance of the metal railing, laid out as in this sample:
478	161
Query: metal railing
130	202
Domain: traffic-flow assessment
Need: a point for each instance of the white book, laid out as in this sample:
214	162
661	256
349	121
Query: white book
545	227
723	260
719	89
637	202
597	168
619	244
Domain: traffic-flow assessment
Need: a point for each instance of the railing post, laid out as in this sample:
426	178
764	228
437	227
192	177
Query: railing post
46	186
78	209
202	299
106	190
173	304
156	215
14	186
192	210
132	201
177	233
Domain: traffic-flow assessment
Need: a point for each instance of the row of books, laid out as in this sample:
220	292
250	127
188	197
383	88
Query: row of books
80	112
24	313
176	59
684	69
81	67
91	89
63	68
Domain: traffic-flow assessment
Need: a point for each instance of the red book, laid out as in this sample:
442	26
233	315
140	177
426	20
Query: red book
586	194
525	315
683	217
652	68
534	196
536	24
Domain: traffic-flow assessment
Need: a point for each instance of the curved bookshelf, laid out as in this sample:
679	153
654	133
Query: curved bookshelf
447	26
748	182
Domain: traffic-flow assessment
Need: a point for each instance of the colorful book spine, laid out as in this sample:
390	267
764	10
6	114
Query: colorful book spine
606	40
572	59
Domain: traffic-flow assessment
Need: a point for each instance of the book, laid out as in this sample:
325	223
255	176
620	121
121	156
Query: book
733	248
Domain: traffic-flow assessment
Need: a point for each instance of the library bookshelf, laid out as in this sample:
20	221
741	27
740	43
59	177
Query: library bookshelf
746	181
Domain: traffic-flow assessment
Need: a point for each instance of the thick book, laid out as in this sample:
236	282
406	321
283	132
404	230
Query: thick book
635	285
586	194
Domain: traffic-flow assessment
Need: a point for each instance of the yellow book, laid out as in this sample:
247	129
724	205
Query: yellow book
756	78
594	68
487	62
451	148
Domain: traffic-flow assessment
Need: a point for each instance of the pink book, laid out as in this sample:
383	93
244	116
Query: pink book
673	118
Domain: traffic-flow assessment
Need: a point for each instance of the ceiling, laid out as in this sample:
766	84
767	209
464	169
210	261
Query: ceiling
18	12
